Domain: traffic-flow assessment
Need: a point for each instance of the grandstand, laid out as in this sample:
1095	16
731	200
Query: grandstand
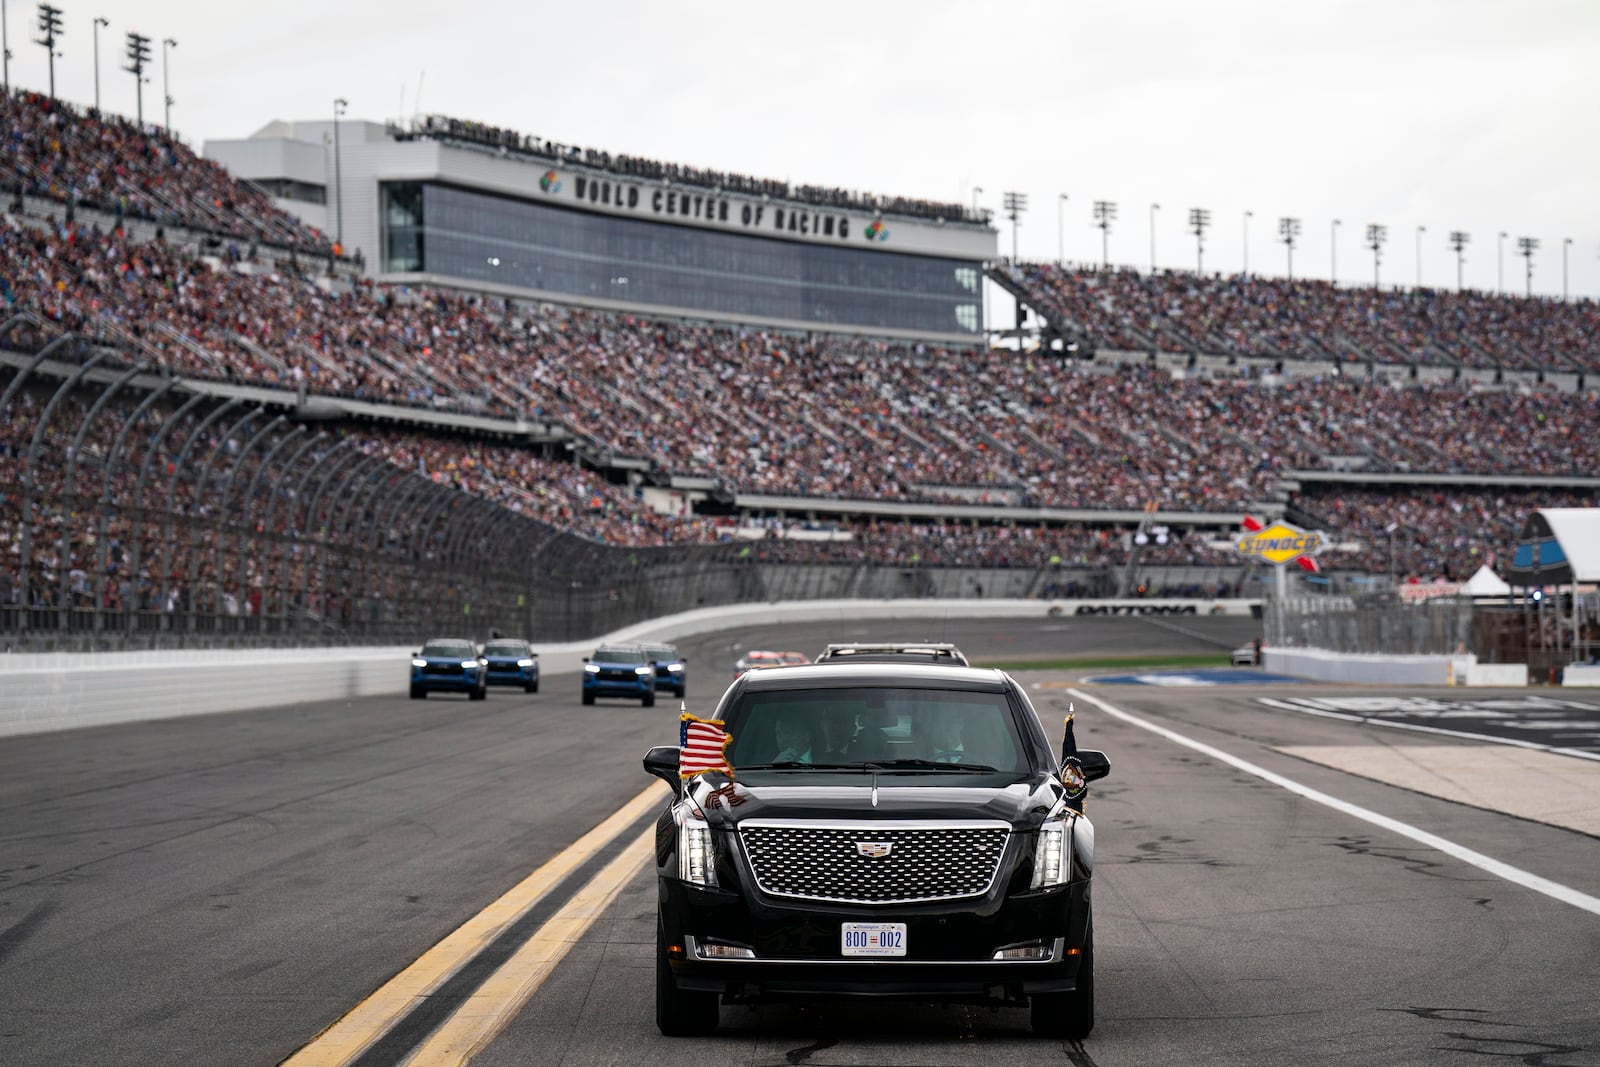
1281	320
922	461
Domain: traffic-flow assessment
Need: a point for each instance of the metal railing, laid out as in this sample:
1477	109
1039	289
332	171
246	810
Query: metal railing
1370	624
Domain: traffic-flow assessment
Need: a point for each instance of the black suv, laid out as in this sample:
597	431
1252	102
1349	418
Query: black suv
895	830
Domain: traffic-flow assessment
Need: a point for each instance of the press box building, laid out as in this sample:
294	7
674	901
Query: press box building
445	202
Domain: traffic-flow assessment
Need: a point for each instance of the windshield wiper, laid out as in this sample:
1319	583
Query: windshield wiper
931	765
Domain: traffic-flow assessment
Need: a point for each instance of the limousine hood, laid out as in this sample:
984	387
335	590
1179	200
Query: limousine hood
1022	804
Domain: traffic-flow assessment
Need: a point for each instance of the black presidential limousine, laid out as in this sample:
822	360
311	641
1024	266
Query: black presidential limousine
894	831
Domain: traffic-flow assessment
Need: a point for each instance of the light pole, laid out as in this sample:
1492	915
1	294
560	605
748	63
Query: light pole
1566	243
1458	241
1500	264
166	43
49	33
1376	235
1061	233
1288	230
1153	209
1526	247
1199	219
5	49
1420	231
1333	245
98	22
1247	216
338	184
1015	205
1105	212
138	59
976	189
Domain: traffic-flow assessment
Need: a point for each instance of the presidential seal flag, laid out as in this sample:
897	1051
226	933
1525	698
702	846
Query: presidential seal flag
1071	766
702	747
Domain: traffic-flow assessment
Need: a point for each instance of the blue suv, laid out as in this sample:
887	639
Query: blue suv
671	672
449	665
619	671
512	662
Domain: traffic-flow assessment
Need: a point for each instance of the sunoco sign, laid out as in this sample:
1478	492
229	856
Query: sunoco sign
1279	544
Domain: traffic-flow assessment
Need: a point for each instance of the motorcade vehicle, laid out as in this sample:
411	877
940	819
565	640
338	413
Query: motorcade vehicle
757	658
449	665
672	671
1248	655
619	671
511	661
894	831
793	659
895	652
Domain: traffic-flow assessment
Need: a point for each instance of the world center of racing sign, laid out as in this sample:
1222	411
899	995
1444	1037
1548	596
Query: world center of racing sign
1279	544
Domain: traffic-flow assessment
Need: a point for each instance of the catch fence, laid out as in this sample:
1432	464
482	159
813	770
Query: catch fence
138	510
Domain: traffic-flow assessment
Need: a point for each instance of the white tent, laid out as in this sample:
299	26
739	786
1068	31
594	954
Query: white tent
1486	583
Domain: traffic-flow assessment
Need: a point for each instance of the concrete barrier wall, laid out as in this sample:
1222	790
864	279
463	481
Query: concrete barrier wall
53	691
1502	675
1325	666
1582	675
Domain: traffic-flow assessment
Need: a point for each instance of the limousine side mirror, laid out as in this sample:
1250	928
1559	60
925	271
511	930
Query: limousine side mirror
662	761
1095	764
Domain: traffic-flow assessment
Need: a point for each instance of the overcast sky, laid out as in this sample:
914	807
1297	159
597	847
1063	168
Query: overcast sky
1450	114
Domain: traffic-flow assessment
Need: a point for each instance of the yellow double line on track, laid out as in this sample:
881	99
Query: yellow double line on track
489	1008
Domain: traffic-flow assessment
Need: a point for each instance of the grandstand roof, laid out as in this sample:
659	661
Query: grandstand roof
1558	545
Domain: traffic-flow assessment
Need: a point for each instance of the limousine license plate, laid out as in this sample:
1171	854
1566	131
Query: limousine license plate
873	939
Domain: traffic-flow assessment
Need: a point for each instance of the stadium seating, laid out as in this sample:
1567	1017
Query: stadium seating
821	416
54	150
1277	318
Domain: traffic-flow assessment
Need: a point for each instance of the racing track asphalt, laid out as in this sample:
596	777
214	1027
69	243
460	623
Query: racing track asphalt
217	890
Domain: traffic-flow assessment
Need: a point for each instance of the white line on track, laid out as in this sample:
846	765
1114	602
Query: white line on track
1516	875
1422	728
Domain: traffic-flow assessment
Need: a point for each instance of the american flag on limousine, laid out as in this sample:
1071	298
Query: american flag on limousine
702	746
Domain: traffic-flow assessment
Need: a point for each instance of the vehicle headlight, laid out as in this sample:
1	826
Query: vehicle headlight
591	668
1050	867
644	670
524	662
419	663
674	667
695	858
469	663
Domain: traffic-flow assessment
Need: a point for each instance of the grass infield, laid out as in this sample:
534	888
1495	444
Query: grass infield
1213	659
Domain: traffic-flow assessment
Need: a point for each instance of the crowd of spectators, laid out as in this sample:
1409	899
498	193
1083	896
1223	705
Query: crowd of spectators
174	519
84	157
792	415
1280	318
440	127
1439	533
139	553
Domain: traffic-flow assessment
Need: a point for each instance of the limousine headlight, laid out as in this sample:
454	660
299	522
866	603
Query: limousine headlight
1050	855
695	858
